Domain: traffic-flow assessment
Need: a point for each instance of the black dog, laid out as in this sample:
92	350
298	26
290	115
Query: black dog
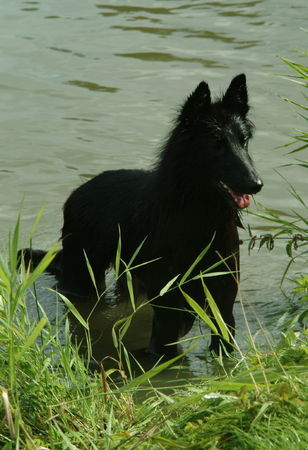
203	176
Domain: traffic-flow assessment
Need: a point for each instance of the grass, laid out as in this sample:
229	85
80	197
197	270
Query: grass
50	398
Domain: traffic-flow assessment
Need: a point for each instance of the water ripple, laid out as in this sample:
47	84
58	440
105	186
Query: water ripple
65	50
118	9
91	86
207	34
168	57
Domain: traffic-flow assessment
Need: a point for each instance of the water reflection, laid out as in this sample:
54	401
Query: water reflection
168	57
190	34
92	86
132	8
29	9
118	9
237	13
80	119
65	50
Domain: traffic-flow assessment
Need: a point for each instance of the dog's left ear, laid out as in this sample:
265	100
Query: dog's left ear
236	96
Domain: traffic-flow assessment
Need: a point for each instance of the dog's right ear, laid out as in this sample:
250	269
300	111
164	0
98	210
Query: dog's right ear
236	97
196	104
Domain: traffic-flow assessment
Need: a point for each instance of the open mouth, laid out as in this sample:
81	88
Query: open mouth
241	200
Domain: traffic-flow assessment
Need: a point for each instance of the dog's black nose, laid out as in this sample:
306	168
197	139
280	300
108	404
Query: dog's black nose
256	186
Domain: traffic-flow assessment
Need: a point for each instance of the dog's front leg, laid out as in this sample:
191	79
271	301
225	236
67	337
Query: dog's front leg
171	321
224	290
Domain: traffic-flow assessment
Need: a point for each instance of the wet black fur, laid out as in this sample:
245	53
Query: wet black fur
179	207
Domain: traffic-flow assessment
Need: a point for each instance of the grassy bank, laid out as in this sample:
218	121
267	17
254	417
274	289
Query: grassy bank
50	398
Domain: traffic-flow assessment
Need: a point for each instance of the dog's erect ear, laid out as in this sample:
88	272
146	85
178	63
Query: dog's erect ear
196	104
236	96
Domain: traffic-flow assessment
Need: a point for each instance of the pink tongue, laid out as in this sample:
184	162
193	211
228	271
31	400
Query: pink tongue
242	200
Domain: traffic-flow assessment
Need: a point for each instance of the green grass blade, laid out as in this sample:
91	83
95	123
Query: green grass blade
72	309
136	252
298	68
197	260
125	326
230	386
129	283
32	338
14	244
4	275
216	313
200	311
40	268
118	255
152	372
168	286
36	223
141	264
91	273
119	329
211	274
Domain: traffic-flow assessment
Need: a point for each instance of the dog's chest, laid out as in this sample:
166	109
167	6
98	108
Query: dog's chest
191	230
